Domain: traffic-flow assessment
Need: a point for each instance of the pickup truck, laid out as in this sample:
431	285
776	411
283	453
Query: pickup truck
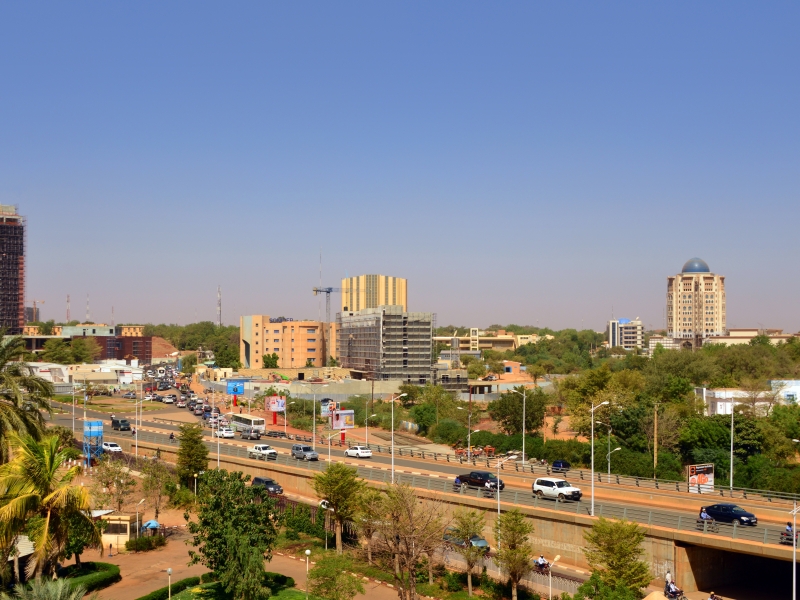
478	479
262	451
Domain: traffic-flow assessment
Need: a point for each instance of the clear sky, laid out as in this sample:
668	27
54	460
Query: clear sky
517	162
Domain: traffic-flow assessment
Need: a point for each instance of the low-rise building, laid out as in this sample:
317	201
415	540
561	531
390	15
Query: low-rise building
624	333
741	336
296	343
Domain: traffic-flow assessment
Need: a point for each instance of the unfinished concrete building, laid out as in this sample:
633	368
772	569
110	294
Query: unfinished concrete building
12	270
385	343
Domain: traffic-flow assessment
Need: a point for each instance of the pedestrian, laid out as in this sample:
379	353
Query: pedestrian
240	410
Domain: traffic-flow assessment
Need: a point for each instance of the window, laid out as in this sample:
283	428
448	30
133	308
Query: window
256	334
311	331
312	349
276	331
312	340
276	349
276	341
117	529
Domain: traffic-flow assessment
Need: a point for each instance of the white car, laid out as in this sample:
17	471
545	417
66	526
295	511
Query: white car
359	452
224	432
150	397
194	397
111	447
262	451
169	400
553	487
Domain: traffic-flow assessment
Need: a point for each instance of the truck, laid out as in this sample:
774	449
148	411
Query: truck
262	452
478	479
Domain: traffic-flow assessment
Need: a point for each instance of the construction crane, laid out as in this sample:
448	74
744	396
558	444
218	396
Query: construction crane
35	315
327	291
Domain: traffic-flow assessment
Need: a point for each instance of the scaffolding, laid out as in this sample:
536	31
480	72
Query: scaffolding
92	441
12	270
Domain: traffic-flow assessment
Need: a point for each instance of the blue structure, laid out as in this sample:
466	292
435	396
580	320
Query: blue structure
92	441
695	265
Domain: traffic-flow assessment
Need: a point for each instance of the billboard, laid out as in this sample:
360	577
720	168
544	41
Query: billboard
235	387
701	479
326	406
277	404
343	419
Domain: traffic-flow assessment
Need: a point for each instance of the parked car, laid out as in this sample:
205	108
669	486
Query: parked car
262	451
479	478
275	433
169	400
452	539
273	487
111	447
303	452
120	424
193	397
249	433
129	395
224	432
150	397
552	487
180	404
359	452
560	466
725	512
198	410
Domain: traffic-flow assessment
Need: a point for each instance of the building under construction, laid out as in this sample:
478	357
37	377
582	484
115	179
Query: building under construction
12	270
386	343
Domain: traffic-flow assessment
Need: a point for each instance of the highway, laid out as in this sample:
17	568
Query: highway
438	476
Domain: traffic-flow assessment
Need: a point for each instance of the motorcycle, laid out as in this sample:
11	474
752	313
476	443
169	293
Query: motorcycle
542	569
786	538
674	596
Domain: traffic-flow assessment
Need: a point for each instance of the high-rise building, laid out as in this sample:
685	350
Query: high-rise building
386	343
696	303
295	342
32	314
12	270
626	334
372	291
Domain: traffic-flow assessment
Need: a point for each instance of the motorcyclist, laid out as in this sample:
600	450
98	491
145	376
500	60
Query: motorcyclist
703	514
788	528
672	590
713	596
171	437
541	562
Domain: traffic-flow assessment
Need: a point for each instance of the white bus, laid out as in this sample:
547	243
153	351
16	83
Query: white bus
239	421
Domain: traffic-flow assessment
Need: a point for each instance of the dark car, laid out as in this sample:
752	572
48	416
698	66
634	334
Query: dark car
276	434
726	512
451	538
249	433
120	424
478	479
560	466
129	395
273	487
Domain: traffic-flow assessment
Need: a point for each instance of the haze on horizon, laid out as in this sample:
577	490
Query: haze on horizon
517	163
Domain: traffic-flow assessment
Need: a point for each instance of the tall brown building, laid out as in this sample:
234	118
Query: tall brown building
696	306
12	270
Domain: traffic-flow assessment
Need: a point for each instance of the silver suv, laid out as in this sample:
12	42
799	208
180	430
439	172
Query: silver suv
301	451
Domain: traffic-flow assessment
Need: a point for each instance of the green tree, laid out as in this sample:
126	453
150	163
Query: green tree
242	574
332	362
595	589
57	350
24	397
413	394
476	370
113	482
507	410
468	524
192	453
424	415
82	534
368	513
309	363
85	350
66	439
37	483
188	363
514	549
227	357
270	361
331	579
156	479
227	504
496	366
614	550
340	487
47	589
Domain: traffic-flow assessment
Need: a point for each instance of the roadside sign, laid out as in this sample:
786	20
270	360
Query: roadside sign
701	479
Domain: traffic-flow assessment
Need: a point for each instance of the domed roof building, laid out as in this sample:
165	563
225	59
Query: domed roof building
696	303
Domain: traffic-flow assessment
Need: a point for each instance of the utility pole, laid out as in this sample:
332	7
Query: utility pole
87	309
655	440
219	305
68	316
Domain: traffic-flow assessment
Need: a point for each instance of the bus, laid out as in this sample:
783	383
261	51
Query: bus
239	421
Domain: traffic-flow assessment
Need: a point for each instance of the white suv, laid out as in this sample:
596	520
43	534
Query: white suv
359	452
552	487
111	447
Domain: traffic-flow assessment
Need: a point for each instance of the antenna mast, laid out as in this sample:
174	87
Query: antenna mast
87	309
219	305
68	319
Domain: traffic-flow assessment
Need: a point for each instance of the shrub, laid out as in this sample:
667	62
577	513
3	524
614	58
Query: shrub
178	586
207	578
92	575
143	544
453	581
291	534
277	581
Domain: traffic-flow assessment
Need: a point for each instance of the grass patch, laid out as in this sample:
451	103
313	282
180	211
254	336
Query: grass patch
215	591
92	575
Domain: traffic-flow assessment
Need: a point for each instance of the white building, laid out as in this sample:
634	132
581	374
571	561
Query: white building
696	302
626	334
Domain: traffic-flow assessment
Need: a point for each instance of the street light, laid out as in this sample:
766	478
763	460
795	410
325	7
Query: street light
608	455
195	488
550	575
314	415
308	553
522	393
138	528
608	458
497	489
328	439
169	584
366	427
393	399
594	408
469	433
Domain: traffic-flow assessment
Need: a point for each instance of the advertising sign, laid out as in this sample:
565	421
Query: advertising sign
235	387
325	406
343	419
701	479
277	404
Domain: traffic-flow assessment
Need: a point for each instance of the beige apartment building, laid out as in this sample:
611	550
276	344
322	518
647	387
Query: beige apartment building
295	342
372	291
696	303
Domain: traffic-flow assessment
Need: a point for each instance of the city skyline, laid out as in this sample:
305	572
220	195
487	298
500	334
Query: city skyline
537	165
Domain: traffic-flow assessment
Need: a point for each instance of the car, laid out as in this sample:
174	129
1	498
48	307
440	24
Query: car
183	397
224	432
359	452
553	487
180	404
452	539
157	398
211	421
276	434
215	410
120	424
273	487
560	466
198	410
194	397
303	452
262	451
169	400
150	397
111	447
222	421
725	512
129	395
478	479
249	433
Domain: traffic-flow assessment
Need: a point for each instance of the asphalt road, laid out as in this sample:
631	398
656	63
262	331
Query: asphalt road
673	519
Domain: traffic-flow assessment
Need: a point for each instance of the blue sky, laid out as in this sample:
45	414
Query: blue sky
527	162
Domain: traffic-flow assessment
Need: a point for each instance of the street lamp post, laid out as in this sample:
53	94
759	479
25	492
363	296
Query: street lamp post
328	439
593	409
308	553
469	433
169	583
393	399
138	527
195	488
608	458
497	487
314	416
366	427
550	575
522	393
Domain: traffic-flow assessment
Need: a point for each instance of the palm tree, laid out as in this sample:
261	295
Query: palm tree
37	497
23	396
60	589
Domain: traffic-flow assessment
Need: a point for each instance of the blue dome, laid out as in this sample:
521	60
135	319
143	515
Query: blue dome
695	265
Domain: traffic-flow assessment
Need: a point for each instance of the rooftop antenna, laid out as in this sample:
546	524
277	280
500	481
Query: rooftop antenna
319	299
68	319
219	305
